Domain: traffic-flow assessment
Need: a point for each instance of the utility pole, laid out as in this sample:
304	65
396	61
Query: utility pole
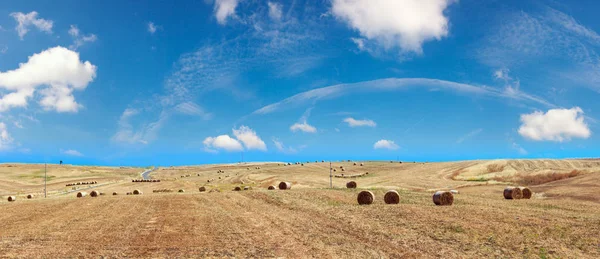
330	177
45	181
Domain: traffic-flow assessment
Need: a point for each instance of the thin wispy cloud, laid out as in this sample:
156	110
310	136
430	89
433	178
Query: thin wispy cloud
71	152
79	39
26	21
359	123
396	84
469	135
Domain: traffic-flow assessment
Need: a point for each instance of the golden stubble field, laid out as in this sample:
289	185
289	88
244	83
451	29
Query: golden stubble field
310	220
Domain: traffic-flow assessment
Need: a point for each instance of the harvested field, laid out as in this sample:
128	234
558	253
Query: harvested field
559	220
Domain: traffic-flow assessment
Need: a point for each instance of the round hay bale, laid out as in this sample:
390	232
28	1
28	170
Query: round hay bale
181	190
443	198
29	196
365	198
285	186
81	194
137	192
271	187
94	193
246	188
12	198
202	189
115	193
526	192
454	191
512	193
237	188
351	185
354	163
391	197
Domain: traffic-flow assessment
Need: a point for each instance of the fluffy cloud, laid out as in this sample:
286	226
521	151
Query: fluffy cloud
24	21
555	125
392	23
58	69
385	144
275	11
304	126
359	123
248	136
5	139
71	152
222	142
223	9
243	134
79	40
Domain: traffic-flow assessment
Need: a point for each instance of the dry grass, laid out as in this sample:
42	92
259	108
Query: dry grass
537	179
308	220
495	168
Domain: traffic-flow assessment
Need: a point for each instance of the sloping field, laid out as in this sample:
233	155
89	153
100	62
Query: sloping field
561	220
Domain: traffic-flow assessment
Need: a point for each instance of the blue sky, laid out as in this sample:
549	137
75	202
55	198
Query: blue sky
195	82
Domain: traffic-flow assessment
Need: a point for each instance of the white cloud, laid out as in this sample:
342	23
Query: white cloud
502	74
57	69
385	144
223	9
282	148
18	124
248	136
275	11
519	149
144	135
80	39
193	109
405	24
468	135
304	126
394	84
359	123
555	125
152	28
243	135
71	152
5	138
24	21
222	142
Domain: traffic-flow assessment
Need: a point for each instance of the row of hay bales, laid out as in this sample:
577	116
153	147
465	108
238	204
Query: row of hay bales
516	193
97	193
187	175
162	190
220	171
351	175
145	181
81	183
361	164
440	198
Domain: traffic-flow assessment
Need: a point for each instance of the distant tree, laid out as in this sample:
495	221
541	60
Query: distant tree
61	162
